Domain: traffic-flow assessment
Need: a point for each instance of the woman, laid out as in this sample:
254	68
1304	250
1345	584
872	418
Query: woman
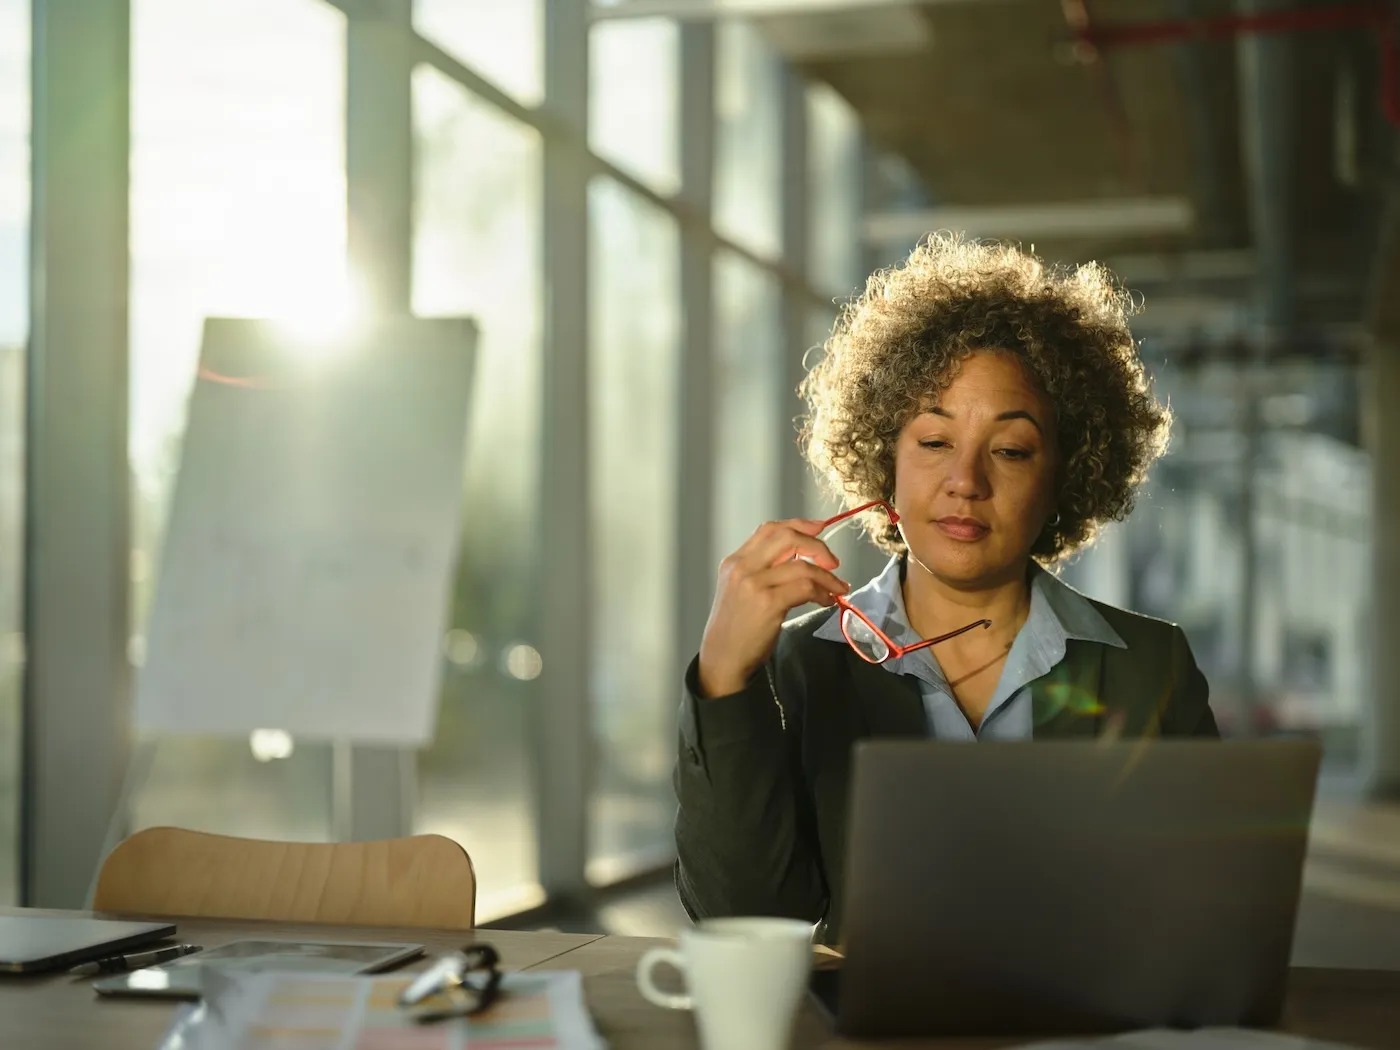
985	415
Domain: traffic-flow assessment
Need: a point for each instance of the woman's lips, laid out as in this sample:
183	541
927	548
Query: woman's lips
967	530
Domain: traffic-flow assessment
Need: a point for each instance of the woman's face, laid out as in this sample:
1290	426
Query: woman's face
974	476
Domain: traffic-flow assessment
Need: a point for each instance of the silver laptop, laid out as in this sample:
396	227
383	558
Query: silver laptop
1070	887
37	942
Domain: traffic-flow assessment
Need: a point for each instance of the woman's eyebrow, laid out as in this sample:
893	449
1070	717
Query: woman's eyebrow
1015	413
1020	413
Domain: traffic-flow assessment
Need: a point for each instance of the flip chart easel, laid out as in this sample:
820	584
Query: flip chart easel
305	574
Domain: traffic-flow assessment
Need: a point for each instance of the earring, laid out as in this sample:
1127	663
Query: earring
1054	522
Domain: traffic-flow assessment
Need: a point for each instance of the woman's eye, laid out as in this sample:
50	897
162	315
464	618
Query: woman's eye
1013	453
933	443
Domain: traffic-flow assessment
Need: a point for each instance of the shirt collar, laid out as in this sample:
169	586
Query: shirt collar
1077	615
1057	609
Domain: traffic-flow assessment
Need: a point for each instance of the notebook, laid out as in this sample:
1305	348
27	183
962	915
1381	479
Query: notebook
35	943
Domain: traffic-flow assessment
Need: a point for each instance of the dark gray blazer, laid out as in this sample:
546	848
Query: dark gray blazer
762	776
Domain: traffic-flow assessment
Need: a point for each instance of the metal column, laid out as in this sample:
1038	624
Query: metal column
792	467
562	726
379	150
1266	133
374	787
1266	115
1380	744
695	554
78	557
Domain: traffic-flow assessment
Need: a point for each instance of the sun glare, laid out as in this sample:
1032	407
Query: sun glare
321	319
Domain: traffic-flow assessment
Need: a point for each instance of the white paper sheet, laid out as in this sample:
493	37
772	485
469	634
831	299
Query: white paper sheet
307	562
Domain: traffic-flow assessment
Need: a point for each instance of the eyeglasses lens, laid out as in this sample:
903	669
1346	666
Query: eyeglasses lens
867	644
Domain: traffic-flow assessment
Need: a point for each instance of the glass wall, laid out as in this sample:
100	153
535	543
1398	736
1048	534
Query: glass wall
1302	492
477	254
748	139
14	334
834	197
633	105
503	42
237	208
749	429
633	411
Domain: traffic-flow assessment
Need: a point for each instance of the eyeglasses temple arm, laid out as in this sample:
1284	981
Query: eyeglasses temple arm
951	634
894	518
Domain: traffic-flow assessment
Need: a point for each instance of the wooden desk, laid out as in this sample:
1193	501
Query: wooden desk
1356	1007
1360	1008
62	1013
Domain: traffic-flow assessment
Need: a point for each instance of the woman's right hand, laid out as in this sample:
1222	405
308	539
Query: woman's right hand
781	566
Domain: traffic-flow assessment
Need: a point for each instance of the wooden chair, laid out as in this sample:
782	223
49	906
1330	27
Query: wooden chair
425	881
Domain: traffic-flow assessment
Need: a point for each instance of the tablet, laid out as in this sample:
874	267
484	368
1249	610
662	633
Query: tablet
181	978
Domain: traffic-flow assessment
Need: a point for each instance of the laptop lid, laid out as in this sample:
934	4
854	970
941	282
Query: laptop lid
1071	886
35	943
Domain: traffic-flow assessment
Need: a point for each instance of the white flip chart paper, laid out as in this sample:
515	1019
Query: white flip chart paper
309	554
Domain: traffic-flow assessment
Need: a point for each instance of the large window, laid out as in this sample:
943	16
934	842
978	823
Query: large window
834	198
748	139
14	333
477	254
633	415
503	40
633	113
237	208
748	398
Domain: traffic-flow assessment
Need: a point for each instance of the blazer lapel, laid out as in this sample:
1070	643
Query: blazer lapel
890	703
1067	702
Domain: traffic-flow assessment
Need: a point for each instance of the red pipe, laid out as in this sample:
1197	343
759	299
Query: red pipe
1080	20
1170	31
1375	16
1390	72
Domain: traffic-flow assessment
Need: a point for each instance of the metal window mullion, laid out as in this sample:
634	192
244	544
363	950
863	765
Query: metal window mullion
379	151
681	206
77	681
1380	724
373	788
797	301
695	568
561	725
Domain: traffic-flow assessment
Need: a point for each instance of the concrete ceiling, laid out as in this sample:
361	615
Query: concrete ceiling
989	110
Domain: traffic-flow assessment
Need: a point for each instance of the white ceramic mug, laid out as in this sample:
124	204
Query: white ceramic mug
745	979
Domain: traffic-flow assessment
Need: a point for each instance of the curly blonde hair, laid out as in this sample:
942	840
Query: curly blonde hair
899	344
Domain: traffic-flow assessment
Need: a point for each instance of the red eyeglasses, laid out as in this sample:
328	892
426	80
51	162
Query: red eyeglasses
870	643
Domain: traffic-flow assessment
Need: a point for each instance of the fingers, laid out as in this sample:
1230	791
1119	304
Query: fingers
800	592
795	583
780	541
788	571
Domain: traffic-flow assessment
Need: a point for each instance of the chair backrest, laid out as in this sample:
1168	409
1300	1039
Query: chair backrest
425	881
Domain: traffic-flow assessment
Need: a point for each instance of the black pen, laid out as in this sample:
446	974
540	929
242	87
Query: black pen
139	961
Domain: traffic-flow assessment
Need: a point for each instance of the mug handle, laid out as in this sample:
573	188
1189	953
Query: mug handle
647	984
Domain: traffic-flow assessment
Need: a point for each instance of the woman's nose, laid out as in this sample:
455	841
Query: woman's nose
967	477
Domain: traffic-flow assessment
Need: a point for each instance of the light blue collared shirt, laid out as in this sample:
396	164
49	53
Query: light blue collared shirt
1058	613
